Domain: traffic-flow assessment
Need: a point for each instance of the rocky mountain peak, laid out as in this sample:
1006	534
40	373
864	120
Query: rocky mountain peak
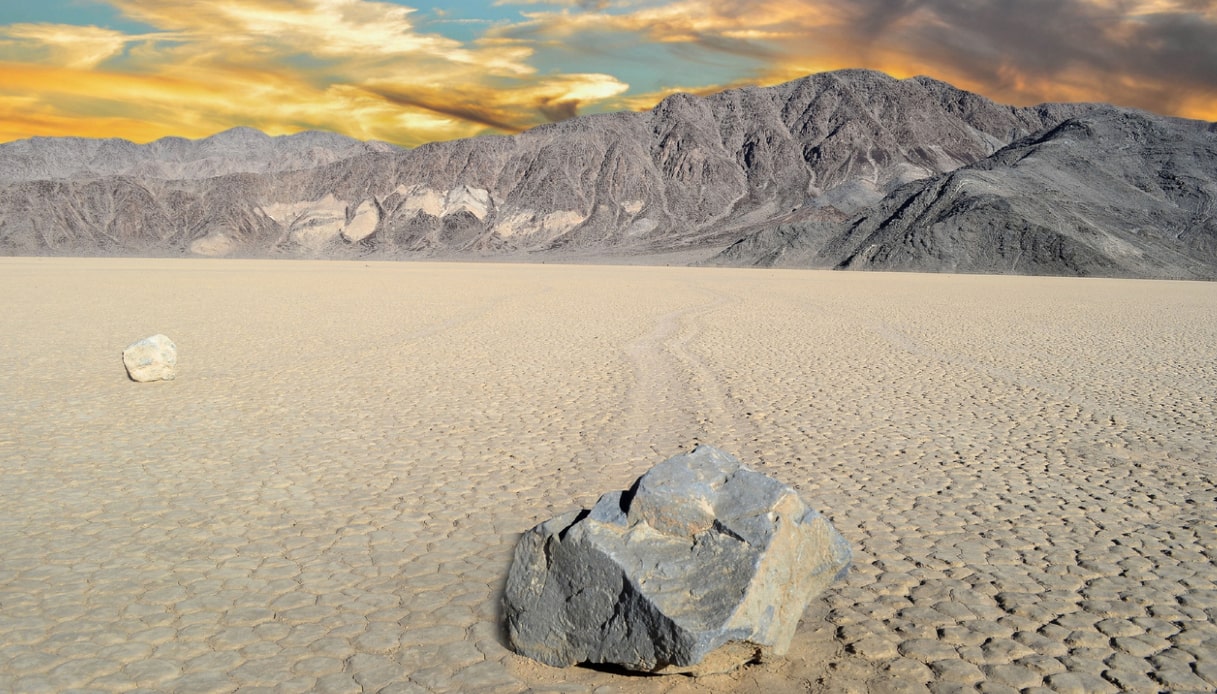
237	150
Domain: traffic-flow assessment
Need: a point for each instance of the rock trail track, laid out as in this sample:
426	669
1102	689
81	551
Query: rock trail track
327	497
672	391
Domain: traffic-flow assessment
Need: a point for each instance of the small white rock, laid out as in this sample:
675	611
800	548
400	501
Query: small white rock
151	359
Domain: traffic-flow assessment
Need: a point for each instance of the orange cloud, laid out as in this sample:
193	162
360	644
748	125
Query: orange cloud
371	69
79	47
324	28
22	117
350	66
1158	55
556	97
277	103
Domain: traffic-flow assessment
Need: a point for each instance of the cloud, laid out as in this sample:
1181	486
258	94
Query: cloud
444	102
1134	53
77	47
684	21
508	110
353	66
582	4
377	69
21	116
1154	54
351	32
560	98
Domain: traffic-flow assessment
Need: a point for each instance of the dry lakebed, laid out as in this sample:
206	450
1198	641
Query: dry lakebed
328	495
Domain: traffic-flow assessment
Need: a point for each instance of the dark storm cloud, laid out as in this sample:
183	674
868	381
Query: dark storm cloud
1177	45
444	104
1166	51
555	111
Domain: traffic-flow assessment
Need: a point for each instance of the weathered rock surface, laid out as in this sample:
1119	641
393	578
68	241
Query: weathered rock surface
239	150
1112	193
151	359
702	566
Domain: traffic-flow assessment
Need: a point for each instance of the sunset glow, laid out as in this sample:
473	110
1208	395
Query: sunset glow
409	72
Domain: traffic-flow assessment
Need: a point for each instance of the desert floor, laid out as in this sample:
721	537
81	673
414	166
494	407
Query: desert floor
327	497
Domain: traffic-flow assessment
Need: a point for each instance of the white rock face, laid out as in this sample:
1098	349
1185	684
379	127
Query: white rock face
535	222
641	227
151	359
363	223
475	201
310	223
213	245
417	199
314	223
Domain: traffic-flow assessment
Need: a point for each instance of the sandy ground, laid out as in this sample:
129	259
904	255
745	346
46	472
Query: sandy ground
328	496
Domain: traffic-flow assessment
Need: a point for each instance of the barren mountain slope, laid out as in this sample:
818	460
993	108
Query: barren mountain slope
691	173
239	150
1113	193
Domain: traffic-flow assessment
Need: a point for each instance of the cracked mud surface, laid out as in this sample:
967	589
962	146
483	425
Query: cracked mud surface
327	497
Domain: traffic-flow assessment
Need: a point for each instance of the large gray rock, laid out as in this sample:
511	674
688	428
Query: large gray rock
151	359
702	566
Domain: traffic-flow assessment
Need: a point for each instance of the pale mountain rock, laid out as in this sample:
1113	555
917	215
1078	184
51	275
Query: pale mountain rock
213	245
362	223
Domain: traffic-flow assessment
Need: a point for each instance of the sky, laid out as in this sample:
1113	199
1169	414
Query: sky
416	71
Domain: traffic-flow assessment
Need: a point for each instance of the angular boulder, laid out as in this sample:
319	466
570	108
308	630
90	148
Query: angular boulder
151	359
701	566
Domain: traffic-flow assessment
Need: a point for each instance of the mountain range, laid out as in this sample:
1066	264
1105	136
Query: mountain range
850	169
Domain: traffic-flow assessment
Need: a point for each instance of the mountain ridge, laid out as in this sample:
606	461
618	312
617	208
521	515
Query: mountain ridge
694	175
236	150
1116	193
